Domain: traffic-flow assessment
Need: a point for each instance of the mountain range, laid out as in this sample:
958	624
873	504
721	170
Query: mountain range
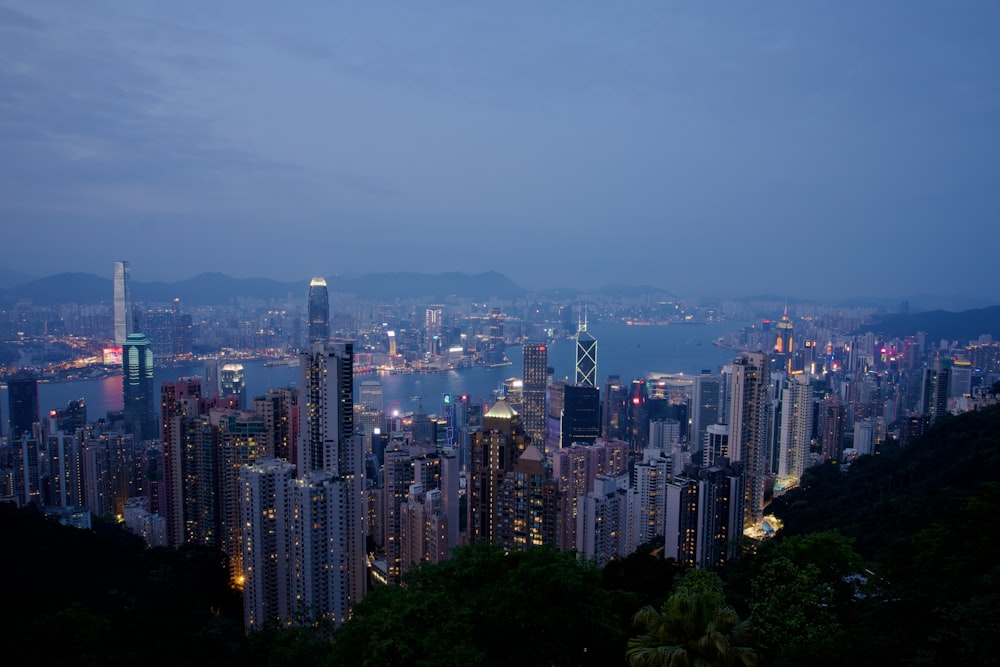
219	288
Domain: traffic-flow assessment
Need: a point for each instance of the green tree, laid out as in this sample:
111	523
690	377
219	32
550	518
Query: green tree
486	607
694	626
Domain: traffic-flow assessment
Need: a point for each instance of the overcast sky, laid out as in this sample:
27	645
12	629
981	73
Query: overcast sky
805	149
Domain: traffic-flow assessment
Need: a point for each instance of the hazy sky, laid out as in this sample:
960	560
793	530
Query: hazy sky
710	148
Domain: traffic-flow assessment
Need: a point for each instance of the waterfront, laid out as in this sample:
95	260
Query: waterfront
627	351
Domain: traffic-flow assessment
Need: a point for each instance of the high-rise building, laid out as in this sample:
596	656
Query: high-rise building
329	444
535	375
784	340
494	450
586	356
318	311
137	387
748	427
935	390
795	431
705	396
581	418
123	302
832	415
22	404
614	412
233	382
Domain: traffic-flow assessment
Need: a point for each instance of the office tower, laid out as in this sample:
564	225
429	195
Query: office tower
535	375
22	404
370	395
233	382
494	450
614	412
748	427
638	418
328	444
137	387
211	383
581	415
123	302
796	427
586	356
783	340
496	344
433	329
664	434
318	311
705	394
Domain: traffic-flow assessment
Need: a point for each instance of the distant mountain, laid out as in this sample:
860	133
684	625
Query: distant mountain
419	285
218	288
940	324
62	288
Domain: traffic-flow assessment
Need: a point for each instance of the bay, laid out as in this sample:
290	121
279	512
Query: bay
627	351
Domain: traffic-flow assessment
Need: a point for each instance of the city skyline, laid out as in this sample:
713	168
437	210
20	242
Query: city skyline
831	147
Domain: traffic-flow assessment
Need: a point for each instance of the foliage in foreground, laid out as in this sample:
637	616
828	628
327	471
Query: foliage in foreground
487	607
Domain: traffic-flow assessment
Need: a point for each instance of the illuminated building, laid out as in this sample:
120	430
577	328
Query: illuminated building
494	450
586	356
795	430
602	521
329	445
232	382
935	390
137	387
318	311
783	341
123	302
748	427
535	376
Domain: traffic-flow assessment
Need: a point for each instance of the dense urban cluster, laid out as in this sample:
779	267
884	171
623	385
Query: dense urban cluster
316	495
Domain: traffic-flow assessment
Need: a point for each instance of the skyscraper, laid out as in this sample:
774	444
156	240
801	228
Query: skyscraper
331	452
22	404
123	302
535	374
586	356
705	411
319	311
233	382
137	387
748	420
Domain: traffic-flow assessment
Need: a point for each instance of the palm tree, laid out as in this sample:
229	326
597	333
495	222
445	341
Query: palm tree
694	628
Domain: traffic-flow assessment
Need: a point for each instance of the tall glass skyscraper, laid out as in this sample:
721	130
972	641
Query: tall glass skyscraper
22	397
586	356
319	311
137	387
535	375
123	302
